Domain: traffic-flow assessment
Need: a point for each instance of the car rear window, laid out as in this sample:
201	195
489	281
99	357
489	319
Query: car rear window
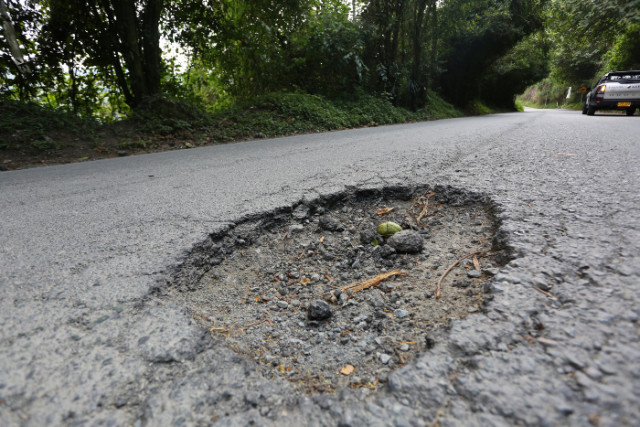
624	77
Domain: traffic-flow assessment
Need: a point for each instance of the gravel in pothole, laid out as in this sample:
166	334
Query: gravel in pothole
273	288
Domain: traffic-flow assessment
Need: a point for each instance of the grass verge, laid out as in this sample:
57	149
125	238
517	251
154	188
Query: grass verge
32	135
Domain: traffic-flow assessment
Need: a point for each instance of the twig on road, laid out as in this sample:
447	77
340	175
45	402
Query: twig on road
451	268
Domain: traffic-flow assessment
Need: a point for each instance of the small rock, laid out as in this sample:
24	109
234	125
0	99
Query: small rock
401	314
474	274
319	310
386	251
406	241
367	237
491	271
379	314
384	358
296	228
404	347
461	283
301	212
330	224
283	304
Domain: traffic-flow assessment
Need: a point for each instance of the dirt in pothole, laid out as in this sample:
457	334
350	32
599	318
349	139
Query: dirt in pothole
261	277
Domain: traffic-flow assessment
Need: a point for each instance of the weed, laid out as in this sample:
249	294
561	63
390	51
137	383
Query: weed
45	144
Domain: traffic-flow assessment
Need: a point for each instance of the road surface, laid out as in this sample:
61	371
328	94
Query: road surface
85	339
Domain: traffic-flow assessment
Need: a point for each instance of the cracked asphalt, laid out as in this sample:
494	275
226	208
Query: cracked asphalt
85	249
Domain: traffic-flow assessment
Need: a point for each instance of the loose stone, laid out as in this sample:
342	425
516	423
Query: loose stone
401	314
474	274
330	224
406	241
319	310
384	358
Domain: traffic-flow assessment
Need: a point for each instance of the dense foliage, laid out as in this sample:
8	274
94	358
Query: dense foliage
106	59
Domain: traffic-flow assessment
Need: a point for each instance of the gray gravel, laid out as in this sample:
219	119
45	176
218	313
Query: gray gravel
88	336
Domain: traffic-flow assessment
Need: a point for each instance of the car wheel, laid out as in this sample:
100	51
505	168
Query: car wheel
630	111
591	111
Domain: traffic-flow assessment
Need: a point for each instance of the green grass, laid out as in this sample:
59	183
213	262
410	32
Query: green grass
290	113
478	108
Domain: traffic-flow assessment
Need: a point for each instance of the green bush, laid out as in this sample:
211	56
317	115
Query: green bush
25	124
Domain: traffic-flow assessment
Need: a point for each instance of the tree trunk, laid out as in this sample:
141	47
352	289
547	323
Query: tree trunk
433	17
140	47
417	39
125	14
12	40
151	45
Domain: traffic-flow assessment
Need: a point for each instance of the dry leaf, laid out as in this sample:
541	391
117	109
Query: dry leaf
383	211
347	370
305	281
476	264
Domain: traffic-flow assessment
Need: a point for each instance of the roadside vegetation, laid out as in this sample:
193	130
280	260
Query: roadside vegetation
584	40
31	134
84	80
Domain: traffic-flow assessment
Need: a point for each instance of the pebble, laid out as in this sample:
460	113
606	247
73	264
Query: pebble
283	304
491	271
474	274
319	310
406	241
301	212
330	224
296	228
384	358
400	313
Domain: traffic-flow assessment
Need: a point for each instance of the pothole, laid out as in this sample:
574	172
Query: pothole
253	284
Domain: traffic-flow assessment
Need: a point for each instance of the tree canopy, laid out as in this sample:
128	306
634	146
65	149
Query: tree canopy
106	58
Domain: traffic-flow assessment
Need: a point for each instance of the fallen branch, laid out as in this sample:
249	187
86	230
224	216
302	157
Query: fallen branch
374	281
451	268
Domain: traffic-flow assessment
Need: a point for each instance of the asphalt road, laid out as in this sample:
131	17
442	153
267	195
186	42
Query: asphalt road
84	340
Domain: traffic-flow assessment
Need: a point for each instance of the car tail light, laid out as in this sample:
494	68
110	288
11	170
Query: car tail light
600	92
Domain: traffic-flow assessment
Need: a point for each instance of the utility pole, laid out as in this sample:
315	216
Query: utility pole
12	40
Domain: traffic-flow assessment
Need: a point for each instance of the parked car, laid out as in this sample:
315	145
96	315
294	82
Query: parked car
617	90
